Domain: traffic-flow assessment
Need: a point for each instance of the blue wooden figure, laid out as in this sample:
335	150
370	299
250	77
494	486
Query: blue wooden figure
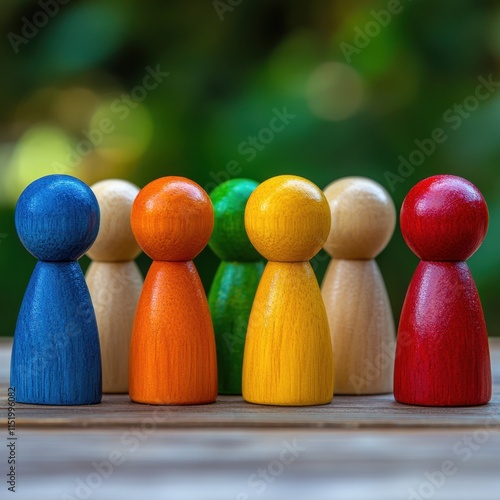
56	357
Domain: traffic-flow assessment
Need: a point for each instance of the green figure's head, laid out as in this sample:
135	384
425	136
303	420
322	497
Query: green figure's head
229	239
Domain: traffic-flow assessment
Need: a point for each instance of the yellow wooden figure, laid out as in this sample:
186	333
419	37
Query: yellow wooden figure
288	357
356	300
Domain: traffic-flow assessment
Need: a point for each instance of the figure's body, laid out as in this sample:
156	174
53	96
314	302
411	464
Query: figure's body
173	356
288	356
114	280
356	300
56	356
233	290
442	356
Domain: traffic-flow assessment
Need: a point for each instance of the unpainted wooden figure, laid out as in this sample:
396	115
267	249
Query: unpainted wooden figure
359	312
114	280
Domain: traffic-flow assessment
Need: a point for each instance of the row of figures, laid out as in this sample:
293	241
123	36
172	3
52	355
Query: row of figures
266	331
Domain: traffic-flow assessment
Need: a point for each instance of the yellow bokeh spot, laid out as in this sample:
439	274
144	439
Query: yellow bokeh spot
334	91
121	130
42	150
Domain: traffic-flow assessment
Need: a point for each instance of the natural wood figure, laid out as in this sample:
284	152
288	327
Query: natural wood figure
233	290
442	356
173	356
55	356
356	300
114	280
288	356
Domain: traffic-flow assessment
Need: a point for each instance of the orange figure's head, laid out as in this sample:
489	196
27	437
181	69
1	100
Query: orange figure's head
172	219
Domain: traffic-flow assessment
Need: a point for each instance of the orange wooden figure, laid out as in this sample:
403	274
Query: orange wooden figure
172	355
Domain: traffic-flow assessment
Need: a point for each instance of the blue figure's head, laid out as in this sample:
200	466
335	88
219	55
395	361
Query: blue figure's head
57	218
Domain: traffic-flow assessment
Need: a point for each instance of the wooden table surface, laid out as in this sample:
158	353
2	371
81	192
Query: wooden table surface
359	448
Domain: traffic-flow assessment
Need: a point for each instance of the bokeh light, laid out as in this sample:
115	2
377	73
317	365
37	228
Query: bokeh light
353	115
334	91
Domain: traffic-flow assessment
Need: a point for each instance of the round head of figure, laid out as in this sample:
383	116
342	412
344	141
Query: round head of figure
57	218
115	241
172	219
444	218
363	218
230	240
288	219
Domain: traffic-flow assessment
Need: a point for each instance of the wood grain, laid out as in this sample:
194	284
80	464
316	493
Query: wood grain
115	288
56	353
231	299
115	241
233	290
172	354
442	356
287	219
444	218
57	218
361	326
172	219
241	464
229	240
114	280
288	357
363	218
367	447
356	300
345	412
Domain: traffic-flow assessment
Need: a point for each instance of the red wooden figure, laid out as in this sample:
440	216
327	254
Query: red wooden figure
442	356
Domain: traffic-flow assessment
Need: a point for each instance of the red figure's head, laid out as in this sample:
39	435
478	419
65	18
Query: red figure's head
444	218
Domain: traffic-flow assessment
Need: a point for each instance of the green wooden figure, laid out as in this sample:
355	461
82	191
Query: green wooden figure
233	290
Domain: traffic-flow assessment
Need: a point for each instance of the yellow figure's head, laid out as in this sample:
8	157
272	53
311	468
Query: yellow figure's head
288	219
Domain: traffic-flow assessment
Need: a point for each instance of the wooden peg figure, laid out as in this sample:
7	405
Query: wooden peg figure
288	356
55	356
172	354
356	300
114	280
233	290
442	356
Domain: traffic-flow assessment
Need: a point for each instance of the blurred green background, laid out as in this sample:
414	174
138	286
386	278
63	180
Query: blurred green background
359	83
